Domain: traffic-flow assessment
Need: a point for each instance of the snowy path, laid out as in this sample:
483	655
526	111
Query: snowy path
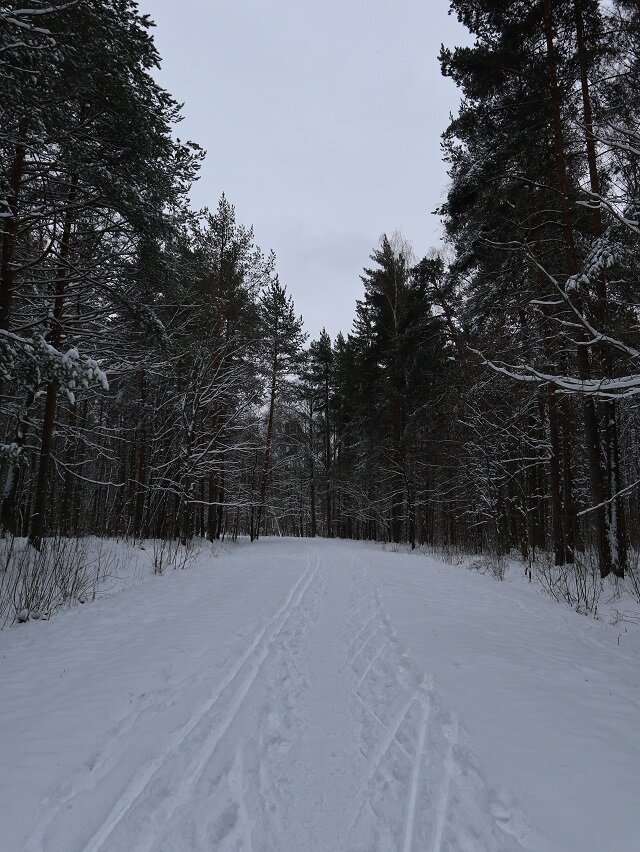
261	703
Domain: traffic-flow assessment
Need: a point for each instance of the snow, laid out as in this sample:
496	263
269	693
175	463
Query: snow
296	695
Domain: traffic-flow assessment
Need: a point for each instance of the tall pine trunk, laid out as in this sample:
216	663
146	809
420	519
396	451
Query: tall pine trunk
8	519
46	445
591	427
615	506
327	456
266	468
312	475
9	233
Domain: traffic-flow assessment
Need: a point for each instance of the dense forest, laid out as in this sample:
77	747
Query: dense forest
157	383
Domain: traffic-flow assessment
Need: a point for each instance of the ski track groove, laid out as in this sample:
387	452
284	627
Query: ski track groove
236	786
417	792
385	745
445	793
374	660
364	644
371	711
273	628
381	642
415	782
141	780
102	763
410	680
191	777
406	792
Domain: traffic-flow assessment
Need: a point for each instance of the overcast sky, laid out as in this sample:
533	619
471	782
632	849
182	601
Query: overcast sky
322	122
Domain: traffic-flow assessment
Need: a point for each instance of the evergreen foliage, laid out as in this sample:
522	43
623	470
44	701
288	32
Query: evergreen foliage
155	379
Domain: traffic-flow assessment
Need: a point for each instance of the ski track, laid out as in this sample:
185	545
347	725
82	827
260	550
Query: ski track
253	658
415	779
420	788
190	777
227	779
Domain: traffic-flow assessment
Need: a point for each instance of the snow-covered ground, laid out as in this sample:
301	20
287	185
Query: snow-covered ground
298	695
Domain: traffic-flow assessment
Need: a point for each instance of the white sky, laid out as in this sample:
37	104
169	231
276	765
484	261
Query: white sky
322	122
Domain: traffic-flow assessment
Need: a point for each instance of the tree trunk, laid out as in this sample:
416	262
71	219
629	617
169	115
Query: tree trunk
267	452
558	516
397	479
8	508
67	489
220	507
327	456
142	462
591	428
615	505
9	231
312	475
557	532
42	482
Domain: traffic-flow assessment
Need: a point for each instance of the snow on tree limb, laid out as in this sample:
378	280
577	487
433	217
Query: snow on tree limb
41	363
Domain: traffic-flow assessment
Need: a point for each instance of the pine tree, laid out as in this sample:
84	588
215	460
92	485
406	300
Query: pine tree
83	192
282	337
321	359
500	207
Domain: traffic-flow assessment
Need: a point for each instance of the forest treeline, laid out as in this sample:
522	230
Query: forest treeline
156	381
